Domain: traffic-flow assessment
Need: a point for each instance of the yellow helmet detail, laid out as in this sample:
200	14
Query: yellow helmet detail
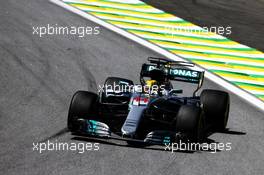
150	83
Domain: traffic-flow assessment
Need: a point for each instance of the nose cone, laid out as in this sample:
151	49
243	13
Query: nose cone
129	128
131	124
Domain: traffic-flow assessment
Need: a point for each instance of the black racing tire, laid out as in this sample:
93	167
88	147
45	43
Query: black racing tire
189	121
83	104
111	82
216	105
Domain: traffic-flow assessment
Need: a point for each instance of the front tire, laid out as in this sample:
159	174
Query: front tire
83	105
216	106
189	121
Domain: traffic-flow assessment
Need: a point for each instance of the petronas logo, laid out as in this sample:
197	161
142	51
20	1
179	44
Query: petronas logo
185	73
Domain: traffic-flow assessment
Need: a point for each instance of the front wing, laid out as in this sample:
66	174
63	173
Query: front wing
93	128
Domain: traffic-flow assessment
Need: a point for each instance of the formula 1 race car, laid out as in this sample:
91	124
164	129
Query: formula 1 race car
151	112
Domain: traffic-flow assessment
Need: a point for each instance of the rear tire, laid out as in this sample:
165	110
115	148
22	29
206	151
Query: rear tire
216	106
189	121
83	105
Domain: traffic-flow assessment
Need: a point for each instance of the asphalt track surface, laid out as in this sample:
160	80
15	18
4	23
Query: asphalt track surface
39	75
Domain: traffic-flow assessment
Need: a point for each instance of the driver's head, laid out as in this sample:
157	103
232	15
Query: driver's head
149	85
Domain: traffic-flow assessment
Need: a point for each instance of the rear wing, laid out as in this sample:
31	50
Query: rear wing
173	73
163	61
173	70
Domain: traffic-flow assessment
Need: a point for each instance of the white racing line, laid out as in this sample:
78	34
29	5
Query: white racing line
215	78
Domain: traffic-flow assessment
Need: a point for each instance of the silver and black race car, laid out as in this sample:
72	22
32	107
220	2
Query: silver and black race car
152	112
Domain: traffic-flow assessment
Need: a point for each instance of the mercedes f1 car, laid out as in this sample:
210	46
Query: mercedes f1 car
152	112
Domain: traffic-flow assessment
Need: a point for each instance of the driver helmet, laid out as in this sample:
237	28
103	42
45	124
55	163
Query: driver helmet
149	86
